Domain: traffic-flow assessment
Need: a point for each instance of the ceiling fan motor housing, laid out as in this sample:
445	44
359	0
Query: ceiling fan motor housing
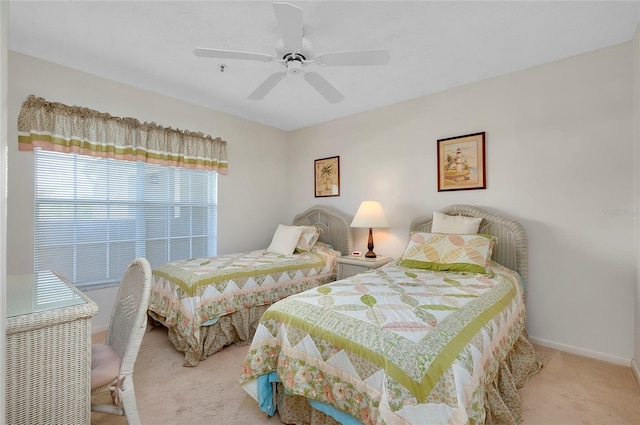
285	53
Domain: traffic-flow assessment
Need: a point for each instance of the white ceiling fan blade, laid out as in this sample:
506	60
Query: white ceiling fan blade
230	54
357	58
324	87
266	86
290	22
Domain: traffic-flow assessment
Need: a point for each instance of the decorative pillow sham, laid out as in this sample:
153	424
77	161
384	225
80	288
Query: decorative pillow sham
326	245
449	252
308	238
285	239
456	224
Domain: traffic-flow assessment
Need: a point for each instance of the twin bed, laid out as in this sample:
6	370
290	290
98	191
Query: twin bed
209	303
435	337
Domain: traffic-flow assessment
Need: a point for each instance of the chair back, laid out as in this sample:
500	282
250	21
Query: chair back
129	317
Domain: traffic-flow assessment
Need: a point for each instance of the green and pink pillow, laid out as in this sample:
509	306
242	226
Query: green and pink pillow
449	252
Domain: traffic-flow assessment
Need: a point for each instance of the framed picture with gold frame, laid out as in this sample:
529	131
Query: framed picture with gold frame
327	176
461	162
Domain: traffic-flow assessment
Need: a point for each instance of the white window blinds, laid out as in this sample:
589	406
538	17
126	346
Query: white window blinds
93	216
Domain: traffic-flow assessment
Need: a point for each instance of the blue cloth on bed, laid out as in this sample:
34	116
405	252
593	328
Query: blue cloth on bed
265	392
211	322
523	283
265	401
338	415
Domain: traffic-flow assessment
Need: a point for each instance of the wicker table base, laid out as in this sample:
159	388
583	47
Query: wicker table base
48	370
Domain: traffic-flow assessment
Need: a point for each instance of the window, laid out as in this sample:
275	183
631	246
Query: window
93	216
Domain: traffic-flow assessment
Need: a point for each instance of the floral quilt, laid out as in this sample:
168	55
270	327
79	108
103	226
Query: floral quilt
394	345
192	293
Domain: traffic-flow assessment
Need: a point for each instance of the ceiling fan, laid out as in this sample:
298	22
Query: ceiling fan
295	52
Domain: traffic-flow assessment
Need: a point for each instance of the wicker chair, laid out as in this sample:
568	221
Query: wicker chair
112	362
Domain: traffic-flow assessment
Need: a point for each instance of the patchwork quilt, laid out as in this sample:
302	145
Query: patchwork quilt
394	345
192	293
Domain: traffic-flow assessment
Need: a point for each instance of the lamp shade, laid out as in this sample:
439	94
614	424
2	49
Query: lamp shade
370	214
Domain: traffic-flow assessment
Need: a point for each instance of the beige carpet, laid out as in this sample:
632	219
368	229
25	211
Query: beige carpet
569	390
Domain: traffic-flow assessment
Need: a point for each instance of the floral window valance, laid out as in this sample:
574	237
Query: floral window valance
72	129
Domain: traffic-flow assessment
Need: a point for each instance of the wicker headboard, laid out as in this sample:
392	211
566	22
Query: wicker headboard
511	249
335	227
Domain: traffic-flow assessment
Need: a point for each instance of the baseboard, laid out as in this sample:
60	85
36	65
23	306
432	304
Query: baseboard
102	328
582	352
636	371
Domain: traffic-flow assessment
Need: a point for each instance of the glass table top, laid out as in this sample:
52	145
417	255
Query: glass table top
32	293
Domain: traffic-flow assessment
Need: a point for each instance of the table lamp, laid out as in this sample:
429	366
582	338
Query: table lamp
370	215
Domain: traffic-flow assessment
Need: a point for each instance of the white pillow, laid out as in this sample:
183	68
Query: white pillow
460	225
285	239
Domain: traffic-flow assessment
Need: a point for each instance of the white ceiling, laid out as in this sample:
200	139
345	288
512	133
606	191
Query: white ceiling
434	46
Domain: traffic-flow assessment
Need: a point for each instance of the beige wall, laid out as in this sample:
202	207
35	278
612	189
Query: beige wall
559	159
254	151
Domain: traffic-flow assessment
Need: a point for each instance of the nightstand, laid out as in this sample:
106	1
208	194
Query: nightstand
350	265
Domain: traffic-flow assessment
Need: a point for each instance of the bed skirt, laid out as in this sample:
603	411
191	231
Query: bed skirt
235	328
502	402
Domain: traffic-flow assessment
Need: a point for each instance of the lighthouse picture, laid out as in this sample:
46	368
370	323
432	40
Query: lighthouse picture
461	162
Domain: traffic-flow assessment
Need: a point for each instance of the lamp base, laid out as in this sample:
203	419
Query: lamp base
370	254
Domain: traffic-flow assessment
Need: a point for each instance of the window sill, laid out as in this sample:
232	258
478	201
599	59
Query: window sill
95	287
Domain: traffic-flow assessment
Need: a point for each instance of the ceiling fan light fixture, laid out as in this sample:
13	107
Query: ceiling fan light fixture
294	67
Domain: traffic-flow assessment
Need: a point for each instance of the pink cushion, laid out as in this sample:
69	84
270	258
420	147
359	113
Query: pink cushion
105	365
